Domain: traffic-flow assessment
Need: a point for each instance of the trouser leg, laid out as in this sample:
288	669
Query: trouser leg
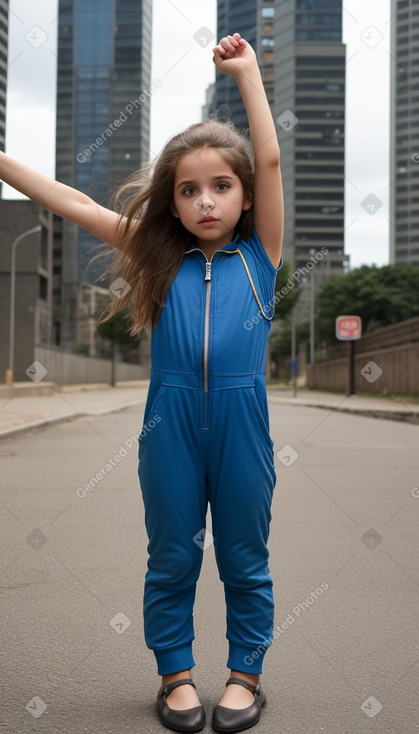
241	485
175	505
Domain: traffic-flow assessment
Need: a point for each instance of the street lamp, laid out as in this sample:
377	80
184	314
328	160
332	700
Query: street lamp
312	307
9	371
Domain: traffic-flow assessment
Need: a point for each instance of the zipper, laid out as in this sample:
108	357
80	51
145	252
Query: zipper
207	280
205	359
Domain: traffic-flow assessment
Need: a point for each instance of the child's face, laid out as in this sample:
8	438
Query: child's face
208	197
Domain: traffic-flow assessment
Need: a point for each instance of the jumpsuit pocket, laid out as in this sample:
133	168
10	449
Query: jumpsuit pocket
261	420
152	417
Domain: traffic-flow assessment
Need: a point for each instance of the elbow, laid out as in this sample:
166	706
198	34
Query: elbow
274	162
272	157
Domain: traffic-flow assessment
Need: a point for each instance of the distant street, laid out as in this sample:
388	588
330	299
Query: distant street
344	558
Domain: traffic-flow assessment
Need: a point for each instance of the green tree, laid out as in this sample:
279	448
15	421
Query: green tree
280	343
116	329
286	290
380	296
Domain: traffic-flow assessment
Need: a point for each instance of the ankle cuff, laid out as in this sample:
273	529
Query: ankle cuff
174	659
246	658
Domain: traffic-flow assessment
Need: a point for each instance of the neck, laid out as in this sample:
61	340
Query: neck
210	247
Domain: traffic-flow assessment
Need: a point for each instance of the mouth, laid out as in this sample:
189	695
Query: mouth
206	220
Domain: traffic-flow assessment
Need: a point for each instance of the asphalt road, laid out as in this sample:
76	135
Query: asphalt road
344	558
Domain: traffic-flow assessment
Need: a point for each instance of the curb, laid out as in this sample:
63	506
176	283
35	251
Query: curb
36	389
408	417
56	419
412	418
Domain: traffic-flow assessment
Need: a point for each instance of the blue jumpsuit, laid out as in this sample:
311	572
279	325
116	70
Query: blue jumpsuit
205	439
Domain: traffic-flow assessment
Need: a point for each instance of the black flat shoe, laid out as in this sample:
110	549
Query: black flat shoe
186	720
234	720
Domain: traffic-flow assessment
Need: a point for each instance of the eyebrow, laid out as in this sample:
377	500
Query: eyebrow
214	178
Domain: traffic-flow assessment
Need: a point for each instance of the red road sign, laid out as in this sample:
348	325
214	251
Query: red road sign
348	327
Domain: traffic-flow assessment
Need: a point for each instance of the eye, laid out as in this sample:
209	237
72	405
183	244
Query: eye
189	191
221	186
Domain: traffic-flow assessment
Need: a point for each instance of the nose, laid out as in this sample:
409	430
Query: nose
203	203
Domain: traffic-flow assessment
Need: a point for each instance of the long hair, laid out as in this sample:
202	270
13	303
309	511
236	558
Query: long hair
153	241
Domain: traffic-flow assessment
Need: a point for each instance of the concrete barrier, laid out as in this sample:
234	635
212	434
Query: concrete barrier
65	368
386	360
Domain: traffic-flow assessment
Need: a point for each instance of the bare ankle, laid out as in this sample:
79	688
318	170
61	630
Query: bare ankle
166	679
245	676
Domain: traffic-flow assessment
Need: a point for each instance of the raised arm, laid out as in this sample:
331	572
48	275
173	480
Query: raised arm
235	57
61	199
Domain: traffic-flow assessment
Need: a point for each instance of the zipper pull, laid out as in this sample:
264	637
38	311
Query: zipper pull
207	271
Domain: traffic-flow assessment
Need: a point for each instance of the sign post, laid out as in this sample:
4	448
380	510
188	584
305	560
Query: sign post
349	328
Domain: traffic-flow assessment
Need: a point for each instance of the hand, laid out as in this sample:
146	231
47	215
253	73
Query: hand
234	55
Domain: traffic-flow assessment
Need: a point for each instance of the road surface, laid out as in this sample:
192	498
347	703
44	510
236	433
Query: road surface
344	558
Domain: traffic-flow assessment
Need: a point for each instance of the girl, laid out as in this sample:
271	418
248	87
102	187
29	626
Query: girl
199	240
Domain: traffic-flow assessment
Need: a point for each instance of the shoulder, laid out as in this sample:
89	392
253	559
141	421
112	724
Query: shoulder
254	249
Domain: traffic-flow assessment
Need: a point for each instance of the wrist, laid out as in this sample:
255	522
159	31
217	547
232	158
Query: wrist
250	75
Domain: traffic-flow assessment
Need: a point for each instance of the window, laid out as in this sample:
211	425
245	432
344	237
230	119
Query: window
320	60
313	35
43	288
267	12
328	5
326	19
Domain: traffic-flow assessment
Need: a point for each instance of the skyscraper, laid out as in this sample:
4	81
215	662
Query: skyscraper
302	59
103	114
310	113
227	103
255	21
404	131
4	15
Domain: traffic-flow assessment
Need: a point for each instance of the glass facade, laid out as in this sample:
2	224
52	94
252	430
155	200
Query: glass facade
300	50
318	20
404	177
104	50
310	81
233	14
255	19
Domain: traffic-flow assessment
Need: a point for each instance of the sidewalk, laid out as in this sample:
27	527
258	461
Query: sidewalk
22	408
393	407
25	406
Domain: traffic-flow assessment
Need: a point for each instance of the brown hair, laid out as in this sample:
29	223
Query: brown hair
153	240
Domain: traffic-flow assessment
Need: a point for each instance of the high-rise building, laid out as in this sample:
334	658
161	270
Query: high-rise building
103	115
254	19
310	113
25	257
4	16
404	131
302	59
31	253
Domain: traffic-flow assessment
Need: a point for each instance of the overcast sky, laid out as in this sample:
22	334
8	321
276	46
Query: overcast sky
185	69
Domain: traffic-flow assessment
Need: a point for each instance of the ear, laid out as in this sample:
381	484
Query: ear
174	210
247	203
